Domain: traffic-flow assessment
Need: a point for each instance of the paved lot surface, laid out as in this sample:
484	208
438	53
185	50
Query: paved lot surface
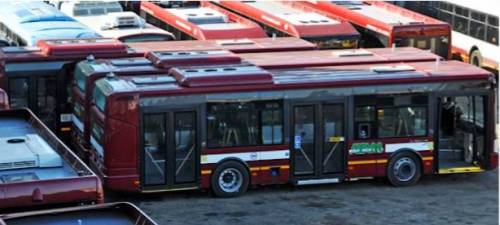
450	199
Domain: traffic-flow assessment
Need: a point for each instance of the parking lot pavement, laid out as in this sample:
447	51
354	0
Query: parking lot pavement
449	199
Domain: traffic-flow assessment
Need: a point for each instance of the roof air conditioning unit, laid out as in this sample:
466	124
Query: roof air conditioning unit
29	151
123	20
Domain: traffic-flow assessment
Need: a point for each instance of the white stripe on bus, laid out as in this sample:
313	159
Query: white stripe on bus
416	146
247	156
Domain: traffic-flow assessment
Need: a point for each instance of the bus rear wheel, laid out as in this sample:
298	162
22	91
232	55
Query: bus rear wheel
404	169
230	179
476	58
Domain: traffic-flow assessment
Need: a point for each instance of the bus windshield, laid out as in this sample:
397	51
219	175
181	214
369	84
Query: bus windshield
146	38
99	98
438	44
80	78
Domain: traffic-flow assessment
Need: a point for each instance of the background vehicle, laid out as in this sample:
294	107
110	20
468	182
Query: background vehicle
4	100
225	127
384	24
283	19
37	168
475	29
24	23
102	214
199	20
109	20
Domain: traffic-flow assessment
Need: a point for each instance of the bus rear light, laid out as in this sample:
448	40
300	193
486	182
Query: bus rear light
493	160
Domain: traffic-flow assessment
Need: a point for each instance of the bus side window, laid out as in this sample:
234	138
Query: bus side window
365	117
19	92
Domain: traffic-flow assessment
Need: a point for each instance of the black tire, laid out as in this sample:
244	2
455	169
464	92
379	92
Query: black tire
226	174
475	58
404	169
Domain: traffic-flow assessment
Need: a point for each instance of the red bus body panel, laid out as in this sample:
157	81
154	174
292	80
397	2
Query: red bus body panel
250	29
84	187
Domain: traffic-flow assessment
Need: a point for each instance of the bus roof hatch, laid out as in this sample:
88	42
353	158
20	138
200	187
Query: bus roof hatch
227	75
171	59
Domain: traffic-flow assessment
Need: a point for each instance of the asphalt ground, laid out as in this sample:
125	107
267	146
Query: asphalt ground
444	199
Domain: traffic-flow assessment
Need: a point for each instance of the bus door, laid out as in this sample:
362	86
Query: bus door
462	137
170	149
318	142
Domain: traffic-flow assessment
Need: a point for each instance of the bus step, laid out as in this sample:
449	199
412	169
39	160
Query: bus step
318	181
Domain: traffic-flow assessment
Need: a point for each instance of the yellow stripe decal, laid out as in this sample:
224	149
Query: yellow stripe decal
252	169
471	169
361	162
65	128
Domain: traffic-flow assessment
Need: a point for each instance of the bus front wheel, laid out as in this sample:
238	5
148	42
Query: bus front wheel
475	58
230	179
404	169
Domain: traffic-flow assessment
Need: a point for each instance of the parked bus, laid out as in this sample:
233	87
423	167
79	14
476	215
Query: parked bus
87	72
283	19
384	24
4	100
36	168
120	213
109	20
475	29
24	23
227	127
40	78
242	45
202	20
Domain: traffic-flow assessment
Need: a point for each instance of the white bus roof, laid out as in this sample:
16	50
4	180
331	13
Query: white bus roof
206	18
294	16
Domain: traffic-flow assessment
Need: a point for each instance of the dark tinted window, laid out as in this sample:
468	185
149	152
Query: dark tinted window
460	24
244	124
492	35
390	116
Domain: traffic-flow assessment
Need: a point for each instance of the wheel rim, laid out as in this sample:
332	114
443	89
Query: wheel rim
405	169
230	180
475	61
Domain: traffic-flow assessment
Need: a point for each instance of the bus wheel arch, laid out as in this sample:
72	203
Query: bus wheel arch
404	167
230	178
475	57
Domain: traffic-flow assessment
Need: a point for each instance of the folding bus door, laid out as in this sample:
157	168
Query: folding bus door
318	142
170	152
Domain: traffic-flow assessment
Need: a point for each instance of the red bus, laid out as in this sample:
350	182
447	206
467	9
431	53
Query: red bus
40	77
199	20
242	45
4	100
384	24
226	127
36	168
102	214
283	19
87	72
